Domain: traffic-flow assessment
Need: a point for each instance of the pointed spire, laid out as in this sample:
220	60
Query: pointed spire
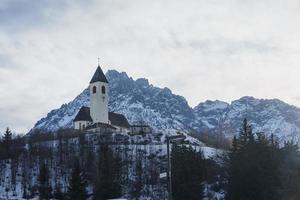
99	76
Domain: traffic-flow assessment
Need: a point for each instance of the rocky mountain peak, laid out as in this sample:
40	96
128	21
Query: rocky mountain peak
139	101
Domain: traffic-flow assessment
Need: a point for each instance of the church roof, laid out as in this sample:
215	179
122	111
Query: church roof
99	76
115	118
83	115
118	120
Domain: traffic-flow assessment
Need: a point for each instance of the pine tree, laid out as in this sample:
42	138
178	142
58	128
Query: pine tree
253	167
58	194
90	166
25	195
235	144
77	188
7	135
44	186
107	185
7	139
187	173
137	185
290	171
246	135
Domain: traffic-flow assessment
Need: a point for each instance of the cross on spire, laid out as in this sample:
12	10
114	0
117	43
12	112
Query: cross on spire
98	61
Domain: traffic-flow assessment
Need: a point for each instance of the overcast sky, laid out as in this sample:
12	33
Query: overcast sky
200	49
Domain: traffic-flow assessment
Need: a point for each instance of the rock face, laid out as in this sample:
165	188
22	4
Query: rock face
160	108
268	116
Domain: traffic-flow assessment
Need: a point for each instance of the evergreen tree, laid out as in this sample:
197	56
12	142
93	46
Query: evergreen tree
108	175
235	144
253	167
137	185
7	139
290	171
25	195
246	135
44	186
77	188
58	194
90	166
187	173
7	136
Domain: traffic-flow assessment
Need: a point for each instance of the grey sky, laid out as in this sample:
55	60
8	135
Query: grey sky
200	49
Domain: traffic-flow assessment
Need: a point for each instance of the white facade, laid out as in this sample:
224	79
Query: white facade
99	102
81	125
121	129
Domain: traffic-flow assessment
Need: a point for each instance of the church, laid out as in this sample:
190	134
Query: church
97	116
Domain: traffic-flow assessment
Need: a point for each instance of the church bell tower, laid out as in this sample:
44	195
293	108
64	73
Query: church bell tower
99	97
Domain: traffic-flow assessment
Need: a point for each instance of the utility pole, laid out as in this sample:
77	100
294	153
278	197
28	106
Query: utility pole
169	170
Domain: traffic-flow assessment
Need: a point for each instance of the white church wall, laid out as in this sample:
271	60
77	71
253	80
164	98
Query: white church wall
121	129
99	103
80	125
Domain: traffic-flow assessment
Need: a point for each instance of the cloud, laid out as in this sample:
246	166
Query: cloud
21	15
209	49
5	62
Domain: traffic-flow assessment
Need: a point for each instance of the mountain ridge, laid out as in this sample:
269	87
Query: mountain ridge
139	100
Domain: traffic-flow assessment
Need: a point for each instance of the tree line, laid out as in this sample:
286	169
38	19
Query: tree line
91	170
256	167
107	182
259	168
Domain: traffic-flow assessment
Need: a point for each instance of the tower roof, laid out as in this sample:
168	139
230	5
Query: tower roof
99	76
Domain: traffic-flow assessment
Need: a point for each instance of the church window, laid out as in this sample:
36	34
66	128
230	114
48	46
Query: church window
94	89
103	89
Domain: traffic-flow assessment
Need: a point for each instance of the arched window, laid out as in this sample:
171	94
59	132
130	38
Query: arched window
94	89
103	89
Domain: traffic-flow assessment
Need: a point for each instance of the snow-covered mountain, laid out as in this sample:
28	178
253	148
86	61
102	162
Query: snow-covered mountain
270	116
136	99
140	101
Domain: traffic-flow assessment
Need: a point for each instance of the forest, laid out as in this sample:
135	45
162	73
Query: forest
75	165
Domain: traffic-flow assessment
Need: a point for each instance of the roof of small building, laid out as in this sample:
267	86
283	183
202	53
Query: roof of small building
115	118
118	120
83	115
99	76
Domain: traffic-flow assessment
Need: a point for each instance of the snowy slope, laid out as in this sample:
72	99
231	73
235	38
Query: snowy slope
63	117
159	107
151	148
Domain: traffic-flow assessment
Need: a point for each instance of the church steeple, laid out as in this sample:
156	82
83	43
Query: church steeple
99	97
99	76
